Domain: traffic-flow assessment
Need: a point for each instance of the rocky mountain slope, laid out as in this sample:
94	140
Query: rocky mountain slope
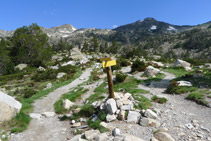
149	34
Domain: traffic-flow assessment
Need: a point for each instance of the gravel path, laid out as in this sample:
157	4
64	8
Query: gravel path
184	119
50	128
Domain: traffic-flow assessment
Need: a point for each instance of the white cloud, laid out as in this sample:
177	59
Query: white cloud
114	26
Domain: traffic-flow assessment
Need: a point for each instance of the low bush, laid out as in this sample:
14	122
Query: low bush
197	97
120	77
138	66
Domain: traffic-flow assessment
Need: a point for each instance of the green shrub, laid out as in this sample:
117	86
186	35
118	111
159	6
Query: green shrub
86	110
29	92
138	66
69	69
120	77
123	62
144	102
158	100
197	97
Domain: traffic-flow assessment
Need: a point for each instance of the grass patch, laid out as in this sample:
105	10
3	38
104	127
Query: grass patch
158	100
130	86
144	103
21	121
72	96
158	78
177	71
198	97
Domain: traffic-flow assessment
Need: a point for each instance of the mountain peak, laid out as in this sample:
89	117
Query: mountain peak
149	19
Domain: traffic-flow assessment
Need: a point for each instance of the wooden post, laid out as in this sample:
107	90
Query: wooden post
110	82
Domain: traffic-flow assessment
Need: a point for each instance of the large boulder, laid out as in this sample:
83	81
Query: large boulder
21	66
181	63
9	107
151	71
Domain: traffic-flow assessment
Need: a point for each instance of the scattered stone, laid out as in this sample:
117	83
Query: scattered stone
121	115
133	116
41	69
21	66
9	107
154	139
67	104
162	129
110	118
77	138
128	107
48	114
125	101
60	75
48	86
150	114
82	126
69	63
77	124
83	120
35	116
101	137
105	125
91	134
189	126
149	122
184	83
151	71
116	132
158	64
96	104
163	136
54	67
127	95
77	110
111	106
128	137
119	103
72	121
181	63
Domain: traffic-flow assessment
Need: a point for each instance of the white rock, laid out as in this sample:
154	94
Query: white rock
73	121
77	138
128	137
111	106
105	125
9	107
181	63
133	116
35	116
188	68
49	85
68	63
184	83
48	114
127	95
91	134
21	66
101	137
159	64
119	103
121	115
150	114
116	132
96	104
41	69
67	104
110	118
127	107
149	122
54	67
60	75
151	71
83	120
163	136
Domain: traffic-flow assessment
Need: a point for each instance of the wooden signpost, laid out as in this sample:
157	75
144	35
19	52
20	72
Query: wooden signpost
107	63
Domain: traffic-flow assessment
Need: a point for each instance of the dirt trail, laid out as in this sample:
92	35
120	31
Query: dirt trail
176	115
50	129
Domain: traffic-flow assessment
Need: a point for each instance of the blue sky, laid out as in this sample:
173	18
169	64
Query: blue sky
101	13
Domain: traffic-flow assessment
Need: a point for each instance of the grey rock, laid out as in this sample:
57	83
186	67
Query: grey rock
110	118
67	104
116	132
181	63
150	114
163	136
151	71
133	116
184	83
102	137
60	75
48	114
127	107
21	66
149	122
35	116
91	134
111	106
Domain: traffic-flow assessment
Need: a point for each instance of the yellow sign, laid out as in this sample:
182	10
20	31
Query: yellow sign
105	59
109	63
